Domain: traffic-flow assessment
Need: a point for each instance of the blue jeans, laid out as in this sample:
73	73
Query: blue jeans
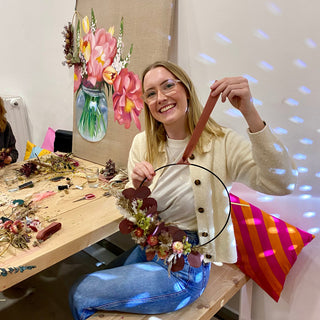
139	286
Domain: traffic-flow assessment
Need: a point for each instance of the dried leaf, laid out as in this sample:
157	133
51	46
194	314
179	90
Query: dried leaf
129	193
195	259
178	265
126	226
151	205
176	233
142	192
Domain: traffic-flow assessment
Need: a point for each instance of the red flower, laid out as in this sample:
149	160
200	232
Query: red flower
16	227
152	240
139	232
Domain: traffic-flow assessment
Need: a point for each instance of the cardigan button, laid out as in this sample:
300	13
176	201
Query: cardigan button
197	182
201	210
204	234
208	256
191	157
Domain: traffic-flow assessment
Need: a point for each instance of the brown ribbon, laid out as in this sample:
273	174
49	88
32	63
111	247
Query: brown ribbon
210	104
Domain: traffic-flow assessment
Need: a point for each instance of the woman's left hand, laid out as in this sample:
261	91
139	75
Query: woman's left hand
237	91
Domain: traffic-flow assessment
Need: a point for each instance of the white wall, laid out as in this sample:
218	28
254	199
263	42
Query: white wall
30	61
30	66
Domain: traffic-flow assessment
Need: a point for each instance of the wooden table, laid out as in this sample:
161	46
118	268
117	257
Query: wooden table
83	223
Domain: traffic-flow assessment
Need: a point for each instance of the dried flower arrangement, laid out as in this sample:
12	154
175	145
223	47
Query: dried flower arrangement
54	163
16	229
166	241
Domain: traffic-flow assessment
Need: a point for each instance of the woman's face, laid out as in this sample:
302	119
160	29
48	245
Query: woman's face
169	99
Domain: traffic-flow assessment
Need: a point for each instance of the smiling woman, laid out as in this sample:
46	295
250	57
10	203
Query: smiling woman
187	200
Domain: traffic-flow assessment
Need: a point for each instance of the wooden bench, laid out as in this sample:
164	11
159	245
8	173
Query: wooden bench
224	282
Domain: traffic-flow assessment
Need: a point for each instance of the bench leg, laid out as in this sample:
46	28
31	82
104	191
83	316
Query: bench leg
246	301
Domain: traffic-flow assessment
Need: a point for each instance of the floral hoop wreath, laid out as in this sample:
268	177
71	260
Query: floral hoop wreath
166	241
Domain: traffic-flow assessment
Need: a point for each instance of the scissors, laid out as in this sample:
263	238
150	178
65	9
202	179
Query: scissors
88	196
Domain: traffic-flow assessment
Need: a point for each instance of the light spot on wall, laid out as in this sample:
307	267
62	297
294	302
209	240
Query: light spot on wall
280	130
233	112
306	141
305	196
313	230
291	186
257	102
310	43
303	169
299	63
222	38
299	156
206	58
309	214
265	198
261	34
278	147
274	9
265	66
304	90
291	102
305	188
296	119
250	78
278	171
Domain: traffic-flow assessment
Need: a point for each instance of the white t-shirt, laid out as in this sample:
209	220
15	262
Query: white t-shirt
173	191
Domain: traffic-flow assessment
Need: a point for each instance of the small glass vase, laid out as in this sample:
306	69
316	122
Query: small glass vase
91	113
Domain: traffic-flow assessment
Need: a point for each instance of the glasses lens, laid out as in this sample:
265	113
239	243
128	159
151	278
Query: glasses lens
168	86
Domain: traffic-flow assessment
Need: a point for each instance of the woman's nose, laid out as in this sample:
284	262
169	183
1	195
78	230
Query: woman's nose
161	96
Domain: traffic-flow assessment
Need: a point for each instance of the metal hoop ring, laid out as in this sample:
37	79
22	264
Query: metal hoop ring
224	186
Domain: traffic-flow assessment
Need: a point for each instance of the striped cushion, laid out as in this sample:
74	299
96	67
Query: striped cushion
267	247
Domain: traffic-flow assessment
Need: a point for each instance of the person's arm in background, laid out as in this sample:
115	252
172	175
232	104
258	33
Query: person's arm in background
10	142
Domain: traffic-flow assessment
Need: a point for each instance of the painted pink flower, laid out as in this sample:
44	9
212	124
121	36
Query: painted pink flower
127	101
103	48
77	78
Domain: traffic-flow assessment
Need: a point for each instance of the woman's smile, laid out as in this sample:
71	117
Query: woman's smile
167	108
170	107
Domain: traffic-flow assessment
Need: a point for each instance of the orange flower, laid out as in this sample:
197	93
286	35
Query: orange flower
109	74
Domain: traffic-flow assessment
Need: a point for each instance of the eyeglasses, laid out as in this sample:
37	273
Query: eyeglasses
166	88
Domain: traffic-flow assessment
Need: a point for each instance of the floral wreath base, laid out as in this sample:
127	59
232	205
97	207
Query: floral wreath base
166	241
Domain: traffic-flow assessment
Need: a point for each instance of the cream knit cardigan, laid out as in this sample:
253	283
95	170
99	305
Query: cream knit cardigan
263	165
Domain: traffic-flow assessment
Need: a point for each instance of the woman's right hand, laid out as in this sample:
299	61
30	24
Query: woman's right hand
142	171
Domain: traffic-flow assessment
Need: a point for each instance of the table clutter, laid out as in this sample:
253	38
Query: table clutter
31	211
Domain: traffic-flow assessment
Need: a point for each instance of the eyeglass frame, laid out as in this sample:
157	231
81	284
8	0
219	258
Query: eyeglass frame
171	91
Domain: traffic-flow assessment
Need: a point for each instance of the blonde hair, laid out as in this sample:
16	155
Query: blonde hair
155	131
3	119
